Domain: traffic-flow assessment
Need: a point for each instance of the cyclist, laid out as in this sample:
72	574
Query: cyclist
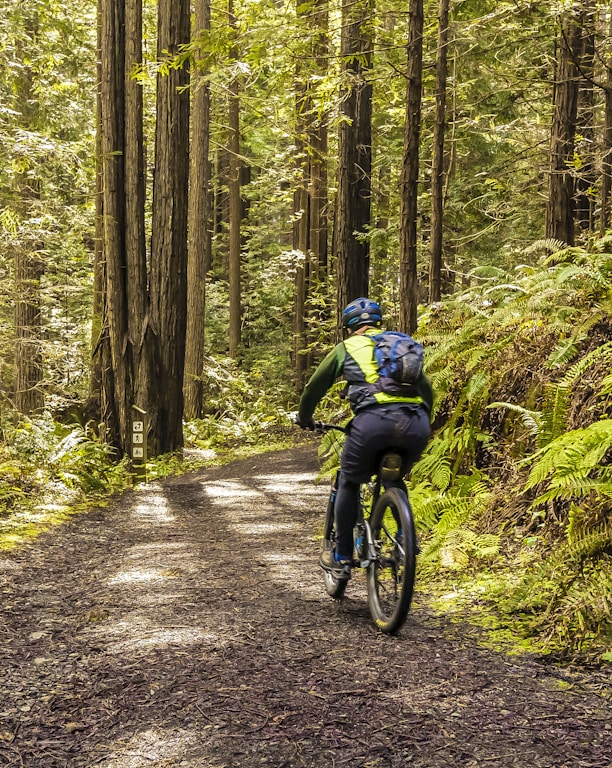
381	421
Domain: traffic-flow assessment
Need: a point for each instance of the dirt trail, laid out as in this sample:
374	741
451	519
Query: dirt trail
188	626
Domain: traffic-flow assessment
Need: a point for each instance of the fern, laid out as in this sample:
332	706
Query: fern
453	542
531	419
573	457
330	450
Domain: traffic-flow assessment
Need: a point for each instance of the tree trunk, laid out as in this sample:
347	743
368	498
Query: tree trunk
437	171
169	229
586	180
410	171
29	266
140	347
561	204
301	224
318	149
29	269
116	378
355	153
606	174
198	228
235	208
99	276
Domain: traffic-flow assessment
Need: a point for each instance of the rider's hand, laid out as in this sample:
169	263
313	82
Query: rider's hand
305	423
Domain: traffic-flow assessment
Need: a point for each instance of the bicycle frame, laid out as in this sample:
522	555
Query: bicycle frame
385	547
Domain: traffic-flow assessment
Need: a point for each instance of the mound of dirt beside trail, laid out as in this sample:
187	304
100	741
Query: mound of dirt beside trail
187	626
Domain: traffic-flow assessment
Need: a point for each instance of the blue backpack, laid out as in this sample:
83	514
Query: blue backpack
399	359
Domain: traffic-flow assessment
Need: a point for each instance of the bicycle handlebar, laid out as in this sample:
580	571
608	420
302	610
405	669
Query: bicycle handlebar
321	426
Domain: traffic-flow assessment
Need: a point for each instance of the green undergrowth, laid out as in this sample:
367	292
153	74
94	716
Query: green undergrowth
512	497
51	471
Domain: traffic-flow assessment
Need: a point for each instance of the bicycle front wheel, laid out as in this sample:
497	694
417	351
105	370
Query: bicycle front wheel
333	586
391	572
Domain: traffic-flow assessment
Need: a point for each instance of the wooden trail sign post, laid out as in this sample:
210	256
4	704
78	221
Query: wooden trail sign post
139	442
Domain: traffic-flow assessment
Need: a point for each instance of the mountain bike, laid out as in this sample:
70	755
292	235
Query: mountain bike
384	543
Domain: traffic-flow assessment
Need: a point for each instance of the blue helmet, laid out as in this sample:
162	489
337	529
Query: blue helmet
361	312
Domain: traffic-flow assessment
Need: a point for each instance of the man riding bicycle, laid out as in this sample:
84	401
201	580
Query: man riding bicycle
381	421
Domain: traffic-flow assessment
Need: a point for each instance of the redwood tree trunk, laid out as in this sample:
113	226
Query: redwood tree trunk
235	209
301	225
29	269
606	181
586	179
355	153
140	347
29	265
116	377
561	205
99	276
198	228
437	171
169	230
410	171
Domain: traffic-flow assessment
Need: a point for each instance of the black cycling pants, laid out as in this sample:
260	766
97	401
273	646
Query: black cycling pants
372	432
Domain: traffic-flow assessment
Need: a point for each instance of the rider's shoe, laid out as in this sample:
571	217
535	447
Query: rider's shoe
339	568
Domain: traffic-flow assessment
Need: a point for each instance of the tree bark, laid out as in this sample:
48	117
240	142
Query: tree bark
29	265
29	269
586	179
355	153
561	204
140	349
99	276
235	208
606	174
169	229
116	379
318	141
301	223
199	244
437	171
410	171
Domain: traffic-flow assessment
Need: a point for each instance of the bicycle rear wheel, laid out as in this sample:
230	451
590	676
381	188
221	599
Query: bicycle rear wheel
333	586
391	572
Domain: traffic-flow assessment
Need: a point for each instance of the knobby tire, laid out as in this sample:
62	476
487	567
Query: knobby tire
333	586
391	574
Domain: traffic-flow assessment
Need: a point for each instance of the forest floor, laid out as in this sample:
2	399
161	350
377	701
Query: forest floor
187	626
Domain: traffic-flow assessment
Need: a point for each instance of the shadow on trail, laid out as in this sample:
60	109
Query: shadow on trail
188	626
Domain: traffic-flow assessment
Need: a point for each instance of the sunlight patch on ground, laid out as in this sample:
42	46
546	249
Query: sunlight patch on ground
222	493
262	528
136	633
152	748
162	556
153	507
301	491
137	575
288	477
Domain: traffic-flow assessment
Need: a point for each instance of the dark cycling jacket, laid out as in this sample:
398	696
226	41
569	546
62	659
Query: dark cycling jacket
353	359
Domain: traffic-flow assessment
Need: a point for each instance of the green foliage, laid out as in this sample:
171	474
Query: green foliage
69	458
47	167
47	470
564	603
575	466
449	520
528	425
